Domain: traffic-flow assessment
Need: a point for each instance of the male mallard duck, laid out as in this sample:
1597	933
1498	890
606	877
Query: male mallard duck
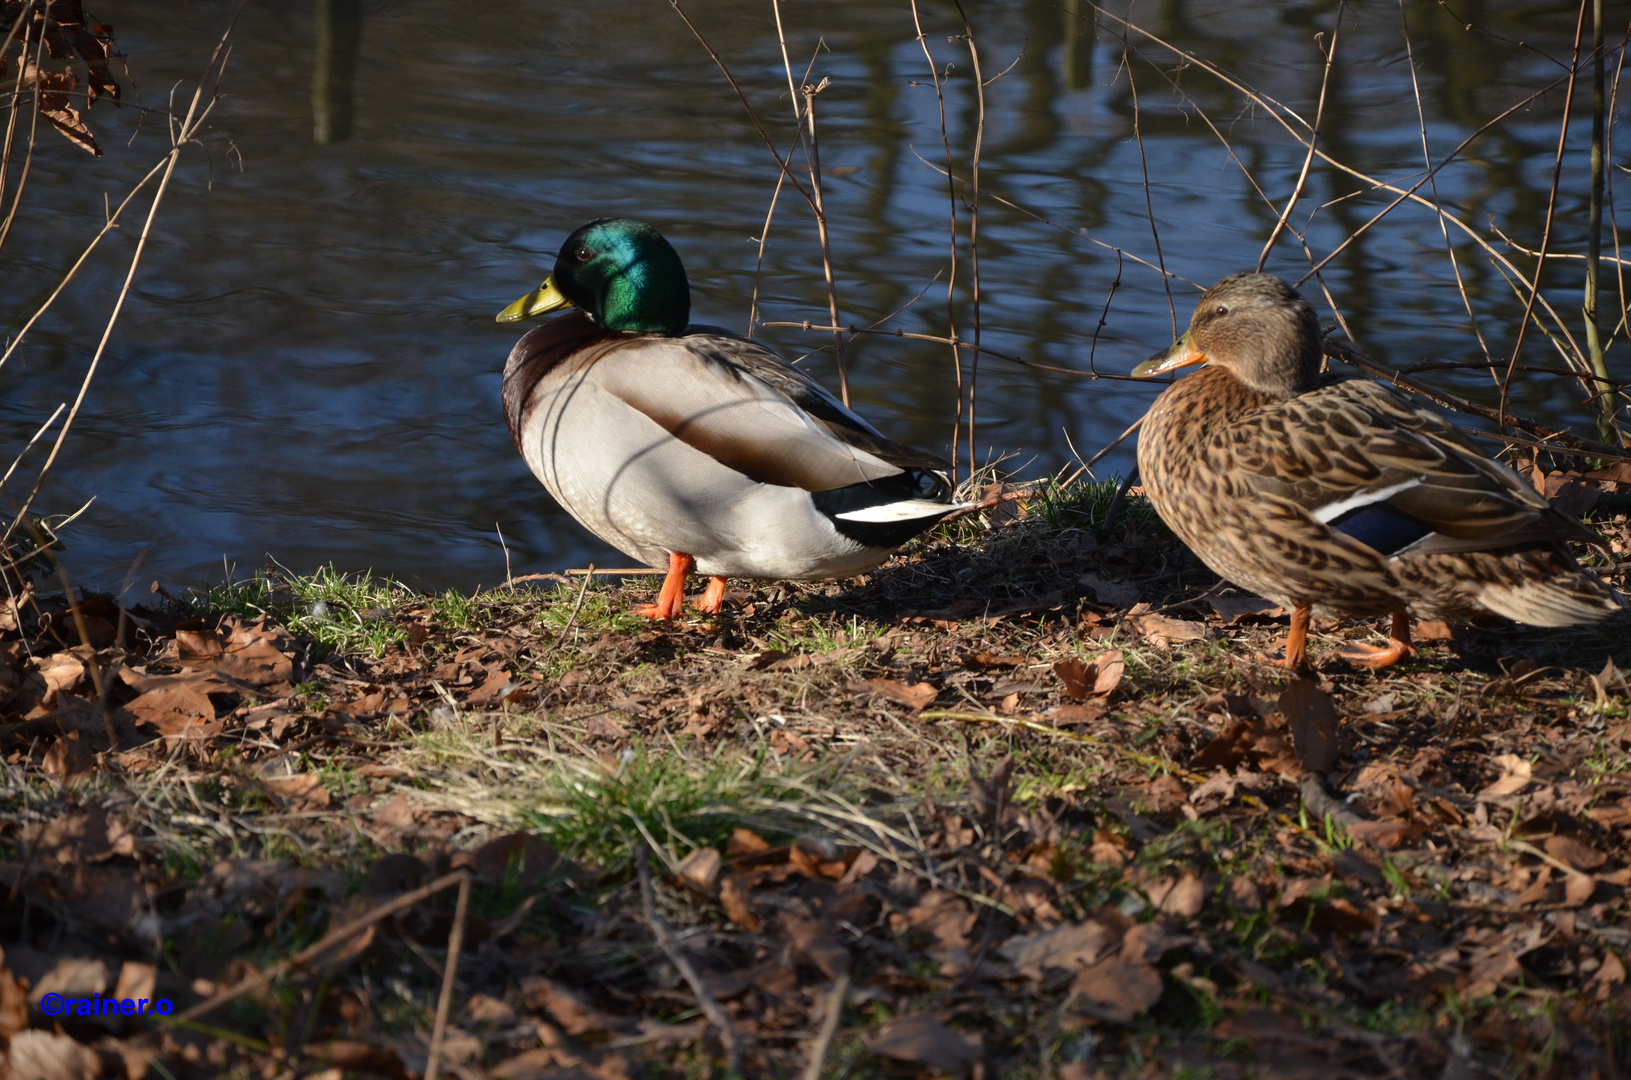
1345	494
687	447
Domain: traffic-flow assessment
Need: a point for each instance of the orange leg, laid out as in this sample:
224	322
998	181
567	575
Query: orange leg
1296	658
1376	659
713	598
672	597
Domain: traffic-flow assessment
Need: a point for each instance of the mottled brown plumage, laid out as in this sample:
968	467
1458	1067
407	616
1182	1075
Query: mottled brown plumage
1343	495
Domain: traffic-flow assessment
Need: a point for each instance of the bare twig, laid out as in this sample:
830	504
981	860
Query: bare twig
588	576
329	941
974	227
180	137
1563	441
1143	164
34	121
829	1028
951	281
1313	143
705	1000
1551	211
813	148
1021	361
1594	228
455	940
1432	185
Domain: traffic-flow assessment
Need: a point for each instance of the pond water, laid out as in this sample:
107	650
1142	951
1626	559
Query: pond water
308	367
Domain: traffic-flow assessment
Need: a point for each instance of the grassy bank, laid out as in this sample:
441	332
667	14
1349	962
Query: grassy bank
1024	802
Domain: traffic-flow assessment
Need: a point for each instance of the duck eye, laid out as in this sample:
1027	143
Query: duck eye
1222	309
584	254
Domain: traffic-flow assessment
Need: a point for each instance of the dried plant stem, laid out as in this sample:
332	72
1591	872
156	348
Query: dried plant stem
108	226
179	138
455	941
588	577
1313	141
1432	187
1144	167
829	1028
329	941
969	345
34	121
1551	213
1594	233
1608	193
16	91
974	228
1562	441
951	280
814	149
705	1000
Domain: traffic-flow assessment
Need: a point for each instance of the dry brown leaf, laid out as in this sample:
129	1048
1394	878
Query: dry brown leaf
922	1040
1609	974
529	859
13	1003
1181	897
45	1055
700	869
1119	987
174	709
63	673
1236	609
1578	889
744	841
914	697
576	1016
738	905
816	941
1577	854
1432	630
305	788
1312	718
1064	948
1515	776
1161	630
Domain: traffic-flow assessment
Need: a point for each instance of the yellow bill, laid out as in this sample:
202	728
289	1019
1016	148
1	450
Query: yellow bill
1182	354
545	298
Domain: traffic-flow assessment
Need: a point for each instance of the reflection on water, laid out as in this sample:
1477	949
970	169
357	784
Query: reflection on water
309	368
339	33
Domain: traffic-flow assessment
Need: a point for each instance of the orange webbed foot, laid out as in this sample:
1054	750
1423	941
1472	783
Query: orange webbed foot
671	598
1376	658
713	598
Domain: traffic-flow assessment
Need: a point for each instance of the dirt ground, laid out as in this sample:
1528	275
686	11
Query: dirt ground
1027	801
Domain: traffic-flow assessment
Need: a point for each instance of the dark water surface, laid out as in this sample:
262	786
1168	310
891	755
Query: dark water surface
308	368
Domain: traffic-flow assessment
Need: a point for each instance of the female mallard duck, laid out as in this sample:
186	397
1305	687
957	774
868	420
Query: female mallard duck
687	447
1344	495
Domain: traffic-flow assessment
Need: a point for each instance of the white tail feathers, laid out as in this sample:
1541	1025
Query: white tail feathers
905	510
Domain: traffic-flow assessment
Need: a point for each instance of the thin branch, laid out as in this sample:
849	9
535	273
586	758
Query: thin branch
829	1027
753	117
1149	207
455	940
34	122
1313	140
1564	441
1551	208
812	147
973	228
951	281
705	1000
330	940
1432	185
189	127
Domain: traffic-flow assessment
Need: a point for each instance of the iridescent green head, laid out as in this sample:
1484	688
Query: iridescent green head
621	273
